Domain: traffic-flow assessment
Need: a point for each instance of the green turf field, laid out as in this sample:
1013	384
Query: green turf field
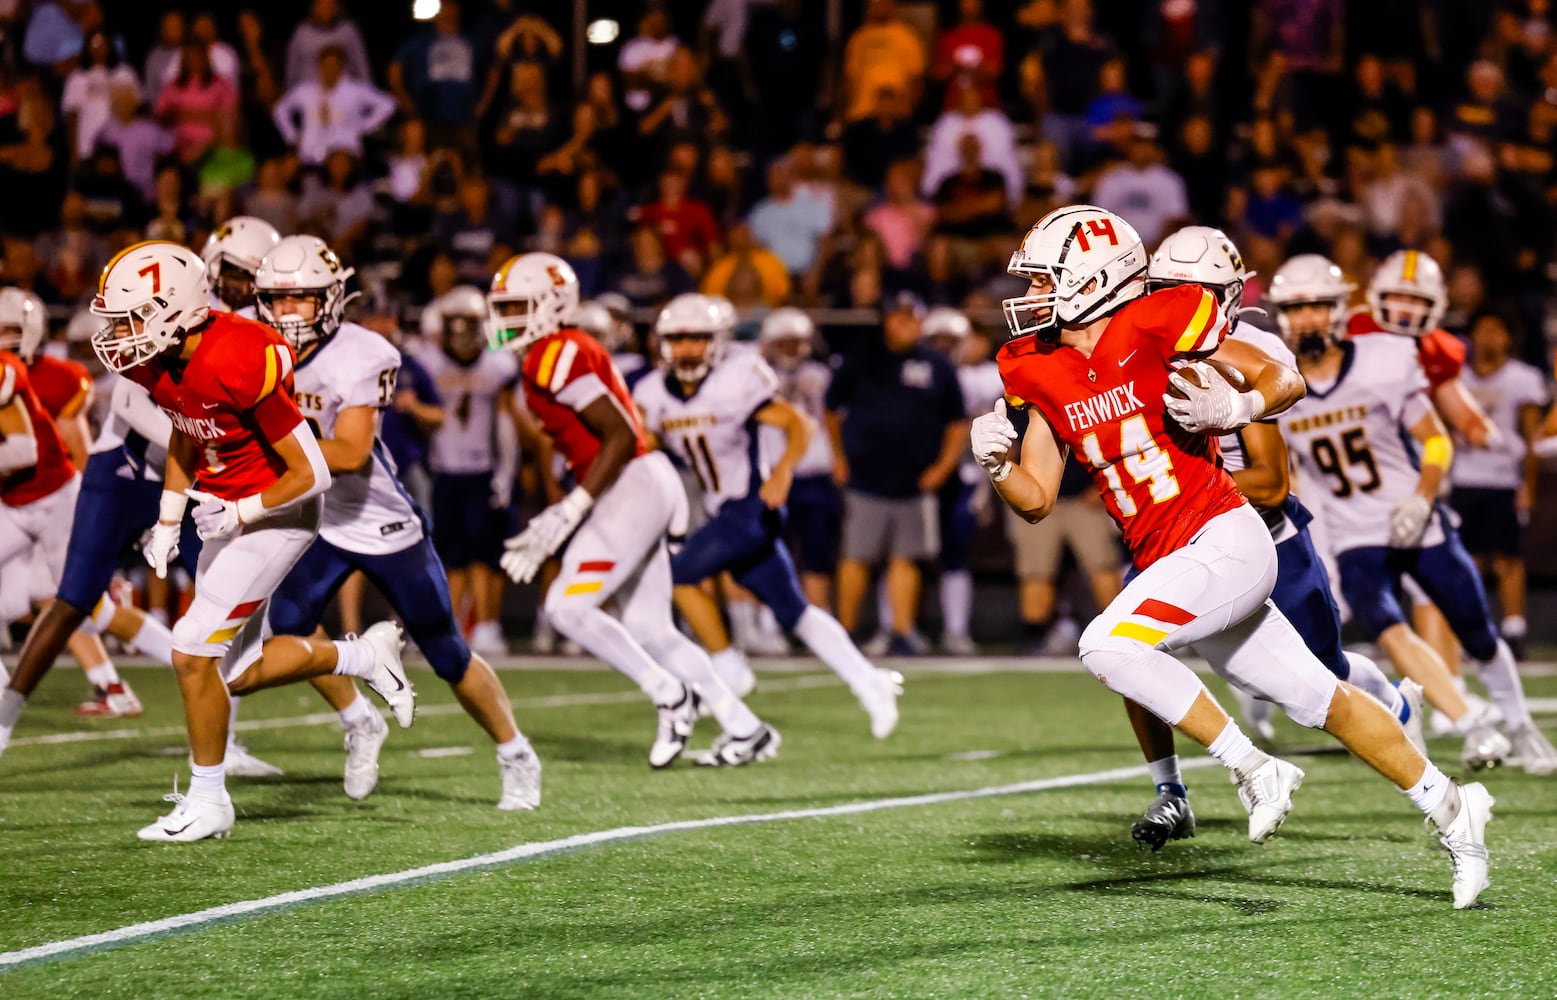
1039	893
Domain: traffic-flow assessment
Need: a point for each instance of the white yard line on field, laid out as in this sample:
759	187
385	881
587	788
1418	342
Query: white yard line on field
70	948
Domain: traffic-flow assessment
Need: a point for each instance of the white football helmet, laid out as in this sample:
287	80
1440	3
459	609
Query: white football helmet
1309	279
699	315
786	337
455	320
24	323
302	267
152	294
532	297
1200	255
232	256
1423	296
1094	261
598	319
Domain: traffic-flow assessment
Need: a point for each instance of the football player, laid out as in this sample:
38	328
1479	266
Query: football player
707	407
612	529
243	452
606	319
1367	398
345	376
232	255
1093	359
1256	457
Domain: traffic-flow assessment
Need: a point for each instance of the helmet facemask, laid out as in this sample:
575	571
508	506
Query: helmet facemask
689	365
1035	314
234	285
303	316
516	321
461	336
1406	314
1306	330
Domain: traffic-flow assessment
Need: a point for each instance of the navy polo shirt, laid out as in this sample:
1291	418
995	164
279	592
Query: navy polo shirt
895	410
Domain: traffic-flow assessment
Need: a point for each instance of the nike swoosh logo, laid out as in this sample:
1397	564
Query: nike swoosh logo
212	406
1127	358
174	833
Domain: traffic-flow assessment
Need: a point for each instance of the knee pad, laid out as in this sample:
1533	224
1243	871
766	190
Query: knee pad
571	618
447	653
1138	672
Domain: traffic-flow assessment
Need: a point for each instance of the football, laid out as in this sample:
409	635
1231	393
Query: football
1233	376
1195	373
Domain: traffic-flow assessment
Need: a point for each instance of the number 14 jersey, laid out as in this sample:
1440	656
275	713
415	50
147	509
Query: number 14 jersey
1351	439
1160	483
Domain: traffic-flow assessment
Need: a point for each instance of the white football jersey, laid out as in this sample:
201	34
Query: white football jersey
467	441
805	389
366	512
712	431
1501	395
132	413
1234	458
1351	440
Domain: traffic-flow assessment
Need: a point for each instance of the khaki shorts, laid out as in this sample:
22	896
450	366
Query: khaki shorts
876	529
1082	525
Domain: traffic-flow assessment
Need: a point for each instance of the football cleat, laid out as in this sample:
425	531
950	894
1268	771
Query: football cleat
880	701
908	644
521	781
675	729
959	645
363	743
1169	817
1466	841
240	763
389	679
1266	794
733	751
1411	694
191	819
116	701
1533	753
1484	746
876	646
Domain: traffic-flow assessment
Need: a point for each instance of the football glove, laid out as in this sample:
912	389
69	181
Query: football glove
1408	521
528	550
214	517
993	435
1217	408
160	547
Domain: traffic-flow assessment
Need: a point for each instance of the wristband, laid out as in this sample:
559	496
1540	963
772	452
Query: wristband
579	500
1001	473
171	509
1437	450
250	509
1256	405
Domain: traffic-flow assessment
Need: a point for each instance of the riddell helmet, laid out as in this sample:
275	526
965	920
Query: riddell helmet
532	296
1200	255
160	291
455	320
1309	279
302	267
945	330
1094	260
237	245
700	315
786	337
1418	280
24	323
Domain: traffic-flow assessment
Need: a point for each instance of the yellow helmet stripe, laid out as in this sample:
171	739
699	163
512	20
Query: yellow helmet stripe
1408	269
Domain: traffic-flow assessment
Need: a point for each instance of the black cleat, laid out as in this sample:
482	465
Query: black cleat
1169	817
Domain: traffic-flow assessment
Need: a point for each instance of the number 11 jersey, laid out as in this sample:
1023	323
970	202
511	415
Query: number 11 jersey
1160	483
1351	437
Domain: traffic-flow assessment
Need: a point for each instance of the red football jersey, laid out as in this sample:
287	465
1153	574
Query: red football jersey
53	468
565	373
1160	483
62	386
234	396
1441	353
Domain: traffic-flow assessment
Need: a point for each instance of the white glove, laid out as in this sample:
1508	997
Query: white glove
160	547
993	437
502	489
1218	407
214	517
1408	521
529	549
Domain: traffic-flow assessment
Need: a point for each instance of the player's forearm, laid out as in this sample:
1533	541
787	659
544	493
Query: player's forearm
18	451
616	450
1262	487
1279	387
307	475
1437	455
1024	494
344	456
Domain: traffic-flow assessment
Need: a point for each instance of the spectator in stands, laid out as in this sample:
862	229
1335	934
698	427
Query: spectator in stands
527	40
1143	190
471	232
72	254
137	138
1073	56
30	169
895	417
337	205
331	111
645	58
997	144
970	55
325	28
198	105
1485	112
88	97
791	222
437	76
971	203
687	111
220	57
686	228
57	31
653	279
171	32
750	265
1046	186
527	128
272	198
259	85
901	219
785	52
883	53
112	204
873	143
1377	109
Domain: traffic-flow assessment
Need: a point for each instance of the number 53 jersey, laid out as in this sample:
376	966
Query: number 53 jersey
1352	439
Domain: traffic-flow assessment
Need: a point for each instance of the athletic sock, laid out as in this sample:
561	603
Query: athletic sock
208	782
729	662
154	640
1514	627
103	675
514	748
829	640
956	601
743	622
1166	775
356	713
1501	677
1236	752
1432	795
767	623
607	638
352	658
11	703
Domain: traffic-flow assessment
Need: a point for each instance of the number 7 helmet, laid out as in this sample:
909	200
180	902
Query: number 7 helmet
532	297
160	291
1094	261
302	266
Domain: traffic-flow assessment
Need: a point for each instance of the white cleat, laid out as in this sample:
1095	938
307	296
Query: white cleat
1266	794
1484	746
1411	694
1466	841
1533	753
238	762
389	679
733	751
521	781
191	819
880	702
675	729
363	743
1256	715
876	646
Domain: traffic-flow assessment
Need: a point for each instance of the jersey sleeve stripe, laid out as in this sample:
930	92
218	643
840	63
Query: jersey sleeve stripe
272	373
1140	633
1197	324
559	378
548	361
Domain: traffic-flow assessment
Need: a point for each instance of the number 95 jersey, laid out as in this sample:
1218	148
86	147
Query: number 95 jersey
1351	439
366	511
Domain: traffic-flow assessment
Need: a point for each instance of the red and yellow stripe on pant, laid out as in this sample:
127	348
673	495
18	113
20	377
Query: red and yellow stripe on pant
236	619
599	566
1146	621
